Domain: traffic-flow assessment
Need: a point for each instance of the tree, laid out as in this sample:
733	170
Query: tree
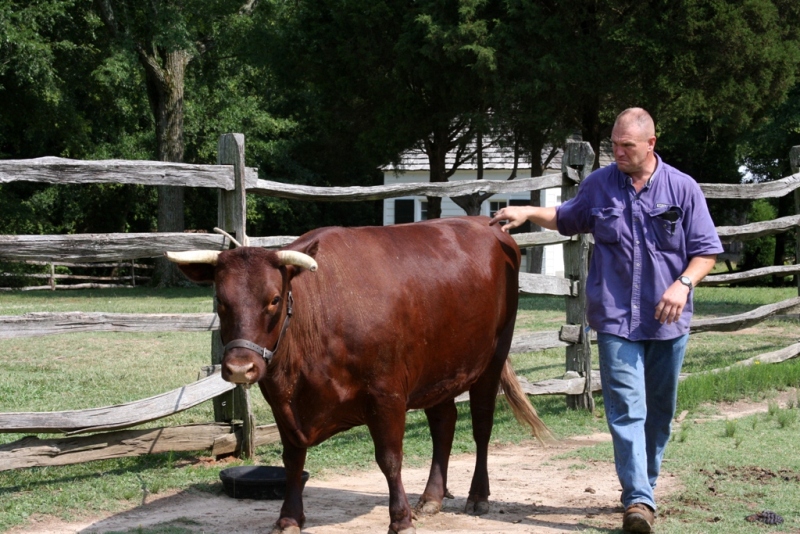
166	35
421	80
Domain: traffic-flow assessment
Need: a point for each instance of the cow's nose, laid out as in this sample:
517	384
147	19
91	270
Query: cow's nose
238	373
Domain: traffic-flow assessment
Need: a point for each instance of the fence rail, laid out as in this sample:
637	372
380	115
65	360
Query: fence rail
233	179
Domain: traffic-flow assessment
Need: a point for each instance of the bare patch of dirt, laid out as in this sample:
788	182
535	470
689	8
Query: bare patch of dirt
533	491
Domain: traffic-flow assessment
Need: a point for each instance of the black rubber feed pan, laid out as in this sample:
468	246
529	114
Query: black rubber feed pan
255	481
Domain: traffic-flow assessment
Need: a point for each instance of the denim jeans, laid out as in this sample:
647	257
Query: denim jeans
640	391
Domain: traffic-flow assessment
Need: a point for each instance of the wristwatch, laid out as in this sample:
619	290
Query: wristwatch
685	280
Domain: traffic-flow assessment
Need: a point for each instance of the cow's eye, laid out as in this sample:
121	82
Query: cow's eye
276	300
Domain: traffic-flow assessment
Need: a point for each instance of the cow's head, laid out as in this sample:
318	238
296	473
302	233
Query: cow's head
253	301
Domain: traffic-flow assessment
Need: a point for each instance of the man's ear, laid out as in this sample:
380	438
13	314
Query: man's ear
200	273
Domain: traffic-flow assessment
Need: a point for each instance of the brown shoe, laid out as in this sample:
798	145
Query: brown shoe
638	518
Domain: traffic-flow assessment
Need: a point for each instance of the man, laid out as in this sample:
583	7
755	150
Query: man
654	241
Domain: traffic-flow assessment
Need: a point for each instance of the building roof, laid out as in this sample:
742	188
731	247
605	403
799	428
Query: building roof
494	158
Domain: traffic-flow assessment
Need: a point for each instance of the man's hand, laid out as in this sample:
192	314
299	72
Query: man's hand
670	308
518	215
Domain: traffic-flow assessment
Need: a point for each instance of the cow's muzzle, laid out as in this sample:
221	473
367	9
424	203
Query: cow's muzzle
238	373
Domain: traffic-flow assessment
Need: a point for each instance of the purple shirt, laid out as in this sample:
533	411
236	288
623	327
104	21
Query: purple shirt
643	243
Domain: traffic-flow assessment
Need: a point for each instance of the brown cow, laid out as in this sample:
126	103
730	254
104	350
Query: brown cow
396	318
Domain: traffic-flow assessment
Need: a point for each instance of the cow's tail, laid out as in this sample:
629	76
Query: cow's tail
521	406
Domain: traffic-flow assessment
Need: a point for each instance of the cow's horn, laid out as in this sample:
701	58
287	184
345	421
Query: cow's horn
292	257
194	256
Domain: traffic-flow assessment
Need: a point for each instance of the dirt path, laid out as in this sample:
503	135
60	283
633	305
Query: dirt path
532	491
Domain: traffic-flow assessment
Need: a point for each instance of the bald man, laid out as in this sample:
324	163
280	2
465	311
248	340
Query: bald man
654	241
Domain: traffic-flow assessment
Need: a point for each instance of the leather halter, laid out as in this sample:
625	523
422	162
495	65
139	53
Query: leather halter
263	351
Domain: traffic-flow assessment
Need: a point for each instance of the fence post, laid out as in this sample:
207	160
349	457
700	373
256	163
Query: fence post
52	280
794	161
576	164
231	217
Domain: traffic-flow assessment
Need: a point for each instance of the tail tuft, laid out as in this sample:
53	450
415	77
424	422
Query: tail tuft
522	407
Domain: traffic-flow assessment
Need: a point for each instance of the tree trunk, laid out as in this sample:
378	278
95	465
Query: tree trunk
165	86
591	129
536	254
436	148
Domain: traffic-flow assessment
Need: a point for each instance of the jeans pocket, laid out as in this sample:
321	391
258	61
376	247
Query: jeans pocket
607	224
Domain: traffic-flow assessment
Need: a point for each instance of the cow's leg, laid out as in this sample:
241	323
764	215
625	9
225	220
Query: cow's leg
482	397
386	423
292	516
442	423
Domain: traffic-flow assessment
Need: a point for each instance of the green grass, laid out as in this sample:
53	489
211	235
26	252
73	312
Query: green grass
758	470
75	371
728	469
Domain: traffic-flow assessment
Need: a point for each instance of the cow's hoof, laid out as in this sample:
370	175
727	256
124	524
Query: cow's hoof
293	529
427	508
476	507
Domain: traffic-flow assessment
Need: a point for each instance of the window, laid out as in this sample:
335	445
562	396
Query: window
403	210
423	210
495	206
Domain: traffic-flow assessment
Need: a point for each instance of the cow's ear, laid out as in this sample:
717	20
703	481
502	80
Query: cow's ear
200	273
312	249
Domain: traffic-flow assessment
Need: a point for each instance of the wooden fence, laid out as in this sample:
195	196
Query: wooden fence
233	180
119	274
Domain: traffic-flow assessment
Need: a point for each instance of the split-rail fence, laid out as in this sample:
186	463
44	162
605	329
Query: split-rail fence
109	429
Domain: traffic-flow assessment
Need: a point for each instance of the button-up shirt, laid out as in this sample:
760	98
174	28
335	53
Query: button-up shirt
643	243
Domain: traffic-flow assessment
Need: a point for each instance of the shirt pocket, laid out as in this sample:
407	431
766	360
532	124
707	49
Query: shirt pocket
607	224
666	222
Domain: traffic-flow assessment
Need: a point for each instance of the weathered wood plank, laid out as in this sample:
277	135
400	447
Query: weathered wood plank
778	356
571	384
215	438
730	323
546	237
278	241
571	334
119	416
70	171
47	323
746	232
380	192
104	247
69	286
775	270
774	189
536	341
524	240
542	284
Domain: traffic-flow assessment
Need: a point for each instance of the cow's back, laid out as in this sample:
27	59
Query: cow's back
412	309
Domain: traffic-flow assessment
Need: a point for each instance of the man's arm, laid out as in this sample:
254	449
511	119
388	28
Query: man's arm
518	215
674	299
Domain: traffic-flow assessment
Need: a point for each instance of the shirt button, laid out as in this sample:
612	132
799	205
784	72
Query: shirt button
635	306
638	264
637	242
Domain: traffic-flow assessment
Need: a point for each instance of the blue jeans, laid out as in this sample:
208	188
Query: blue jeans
640	392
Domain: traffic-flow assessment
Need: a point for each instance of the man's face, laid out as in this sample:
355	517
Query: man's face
632	147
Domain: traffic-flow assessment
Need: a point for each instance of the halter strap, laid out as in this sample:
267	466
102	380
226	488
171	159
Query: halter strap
263	351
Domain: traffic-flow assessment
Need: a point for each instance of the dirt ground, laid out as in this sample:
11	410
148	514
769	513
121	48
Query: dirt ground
533	491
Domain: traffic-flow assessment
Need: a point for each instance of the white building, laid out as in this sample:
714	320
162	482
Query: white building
497	165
